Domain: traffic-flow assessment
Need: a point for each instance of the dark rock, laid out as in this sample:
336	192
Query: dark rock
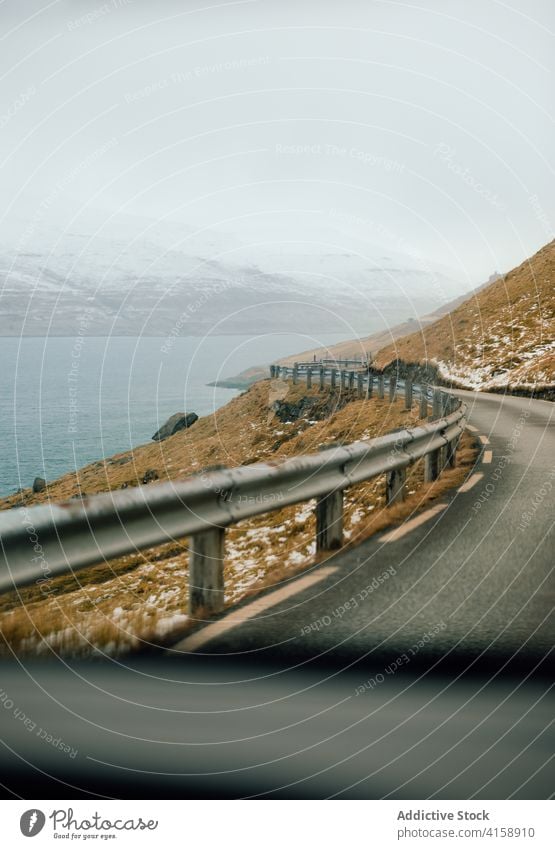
150	475
179	421
39	485
417	372
315	408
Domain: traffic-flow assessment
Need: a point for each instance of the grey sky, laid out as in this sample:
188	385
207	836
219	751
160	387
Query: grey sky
419	125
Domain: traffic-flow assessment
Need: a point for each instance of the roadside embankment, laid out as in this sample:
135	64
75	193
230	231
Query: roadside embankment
139	601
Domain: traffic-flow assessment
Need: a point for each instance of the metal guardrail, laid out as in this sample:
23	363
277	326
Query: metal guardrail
328	362
351	379
41	542
322	367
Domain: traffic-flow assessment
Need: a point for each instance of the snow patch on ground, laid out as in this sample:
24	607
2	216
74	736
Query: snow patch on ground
305	512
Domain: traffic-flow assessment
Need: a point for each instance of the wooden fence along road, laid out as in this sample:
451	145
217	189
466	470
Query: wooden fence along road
51	539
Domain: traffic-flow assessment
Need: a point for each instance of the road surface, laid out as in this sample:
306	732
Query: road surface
411	667
476	573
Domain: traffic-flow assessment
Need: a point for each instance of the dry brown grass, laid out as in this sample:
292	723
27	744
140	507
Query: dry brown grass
140	600
501	336
356	348
504	334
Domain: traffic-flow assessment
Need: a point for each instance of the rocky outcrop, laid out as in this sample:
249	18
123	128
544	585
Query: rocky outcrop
149	476
315	408
417	372
175	423
39	485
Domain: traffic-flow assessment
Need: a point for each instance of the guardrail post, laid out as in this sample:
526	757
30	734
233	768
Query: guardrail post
295	373
308	377
423	401
206	572
437	406
431	465
392	388
360	385
333	378
381	389
452	452
329	521
408	394
322	377
395	486
351	380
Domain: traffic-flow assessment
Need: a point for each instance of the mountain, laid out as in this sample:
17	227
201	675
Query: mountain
502	336
159	280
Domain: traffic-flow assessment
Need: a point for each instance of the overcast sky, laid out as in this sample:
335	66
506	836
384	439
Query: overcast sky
421	126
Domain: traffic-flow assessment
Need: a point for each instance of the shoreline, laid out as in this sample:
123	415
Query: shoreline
346	349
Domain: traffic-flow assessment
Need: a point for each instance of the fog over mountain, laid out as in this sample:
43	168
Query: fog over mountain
136	276
185	163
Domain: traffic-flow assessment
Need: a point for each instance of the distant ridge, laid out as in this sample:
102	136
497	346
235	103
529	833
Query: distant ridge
503	336
362	347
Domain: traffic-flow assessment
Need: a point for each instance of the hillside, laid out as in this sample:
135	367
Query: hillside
349	349
362	346
367	345
503	336
141	599
146	594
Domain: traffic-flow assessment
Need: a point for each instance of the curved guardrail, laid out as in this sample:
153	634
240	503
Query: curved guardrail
51	539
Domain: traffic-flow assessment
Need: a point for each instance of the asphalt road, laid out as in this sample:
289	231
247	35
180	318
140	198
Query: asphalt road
431	682
473	581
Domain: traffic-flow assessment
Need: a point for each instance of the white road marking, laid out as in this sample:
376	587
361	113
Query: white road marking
236	617
407	527
487	457
471	428
484	440
472	481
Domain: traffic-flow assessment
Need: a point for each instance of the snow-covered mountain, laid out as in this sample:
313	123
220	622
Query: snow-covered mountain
163	279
